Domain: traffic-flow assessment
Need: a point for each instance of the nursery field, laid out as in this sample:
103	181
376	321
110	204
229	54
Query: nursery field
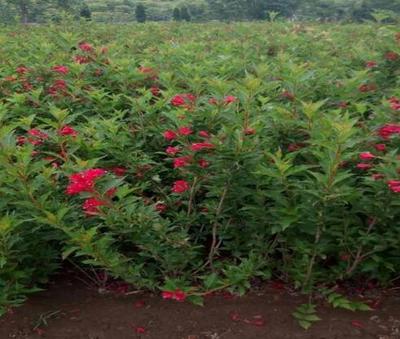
198	160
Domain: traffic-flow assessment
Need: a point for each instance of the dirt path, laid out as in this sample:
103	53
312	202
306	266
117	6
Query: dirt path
71	310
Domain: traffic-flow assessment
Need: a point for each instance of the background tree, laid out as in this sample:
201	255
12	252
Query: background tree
85	12
176	14
140	13
185	15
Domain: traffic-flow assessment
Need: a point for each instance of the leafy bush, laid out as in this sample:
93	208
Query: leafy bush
188	167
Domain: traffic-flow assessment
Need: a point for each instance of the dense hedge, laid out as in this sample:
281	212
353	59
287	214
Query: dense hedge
191	158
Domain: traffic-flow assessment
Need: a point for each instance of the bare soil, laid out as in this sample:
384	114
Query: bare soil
69	309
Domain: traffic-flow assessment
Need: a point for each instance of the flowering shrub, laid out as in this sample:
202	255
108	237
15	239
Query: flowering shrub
172	166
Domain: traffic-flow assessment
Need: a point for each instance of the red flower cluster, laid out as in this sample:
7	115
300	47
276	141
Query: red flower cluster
60	69
59	87
386	131
177	295
364	167
391	56
200	146
371	64
182	131
84	181
81	59
394	185
91	206
380	147
67	131
22	70
36	137
185	100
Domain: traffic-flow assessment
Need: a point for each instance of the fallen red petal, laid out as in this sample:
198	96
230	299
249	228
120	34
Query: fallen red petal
139	304
234	316
357	324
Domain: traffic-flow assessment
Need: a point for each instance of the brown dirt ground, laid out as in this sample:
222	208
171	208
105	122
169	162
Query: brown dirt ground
71	310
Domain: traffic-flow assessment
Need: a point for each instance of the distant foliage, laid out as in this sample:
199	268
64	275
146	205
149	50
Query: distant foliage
199	10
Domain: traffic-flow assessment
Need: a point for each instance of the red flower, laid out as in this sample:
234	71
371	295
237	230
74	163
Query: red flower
180	296
178	100
229	99
22	70
395	103
167	294
203	163
380	147
288	95
394	185
59	86
91	206
367	88
119	171
200	146
363	166
67	130
391	56
160	207
172	150
86	47
204	134
181	162
21	140
60	69
180	186
249	131
366	156
388	130
185	130
155	91
27	86
143	69
371	64
140	330
294	147
213	101
170	135
81	59
377	176
111	192
38	134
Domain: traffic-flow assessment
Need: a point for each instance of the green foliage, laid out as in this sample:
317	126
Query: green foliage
276	116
